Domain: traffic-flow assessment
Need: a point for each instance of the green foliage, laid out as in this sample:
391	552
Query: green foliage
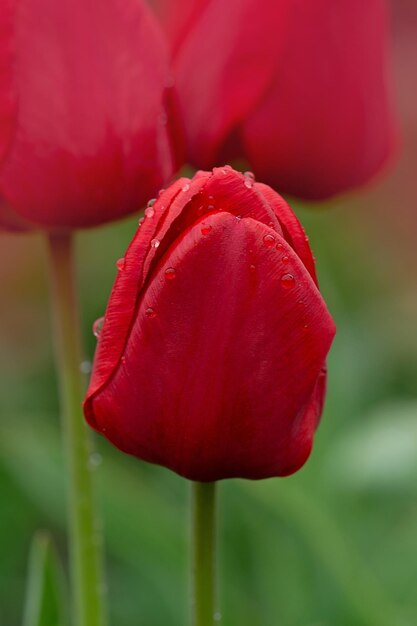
45	603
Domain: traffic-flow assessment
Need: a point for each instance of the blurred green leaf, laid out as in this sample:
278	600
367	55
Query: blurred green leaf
369	603
379	453
45	603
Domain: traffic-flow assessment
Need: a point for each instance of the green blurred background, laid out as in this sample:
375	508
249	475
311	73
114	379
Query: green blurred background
334	545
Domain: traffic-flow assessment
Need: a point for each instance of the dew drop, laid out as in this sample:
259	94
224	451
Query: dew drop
98	326
186	187
211	207
123	360
170	273
210	198
269	241
150	312
149	211
140	221
249	179
120	264
279	246
205	229
238	217
95	460
85	367
155	243
252	268
288	281
305	328
151	202
160	192
285	259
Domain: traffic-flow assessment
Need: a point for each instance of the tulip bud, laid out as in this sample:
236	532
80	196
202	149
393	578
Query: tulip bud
84	133
299	88
211	358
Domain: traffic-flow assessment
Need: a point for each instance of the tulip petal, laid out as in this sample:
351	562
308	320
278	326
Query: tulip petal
121	307
219	359
222	71
91	140
294	232
9	220
178	17
7	99
327	123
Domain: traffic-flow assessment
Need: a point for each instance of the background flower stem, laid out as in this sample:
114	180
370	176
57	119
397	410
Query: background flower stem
84	532
203	544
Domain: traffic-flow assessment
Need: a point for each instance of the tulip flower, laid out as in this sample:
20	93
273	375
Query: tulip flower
299	88
211	357
84	107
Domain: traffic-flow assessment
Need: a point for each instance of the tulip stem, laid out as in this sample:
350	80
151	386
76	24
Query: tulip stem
203	542
84	533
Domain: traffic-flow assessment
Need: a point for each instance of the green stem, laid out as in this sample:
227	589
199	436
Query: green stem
84	532
203	543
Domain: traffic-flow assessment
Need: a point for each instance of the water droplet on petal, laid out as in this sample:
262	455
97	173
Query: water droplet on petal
285	259
305	327
252	268
150	312
211	207
170	273
160	192
140	221
155	243
238	217
205	229
269	241
288	281
123	360
149	211
120	264
97	327
249	179
279	246
186	187
151	202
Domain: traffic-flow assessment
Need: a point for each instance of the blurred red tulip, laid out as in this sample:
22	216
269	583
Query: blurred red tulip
84	136
211	358
297	87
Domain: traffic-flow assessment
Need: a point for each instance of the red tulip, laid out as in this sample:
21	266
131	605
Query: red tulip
83	132
297	87
211	359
